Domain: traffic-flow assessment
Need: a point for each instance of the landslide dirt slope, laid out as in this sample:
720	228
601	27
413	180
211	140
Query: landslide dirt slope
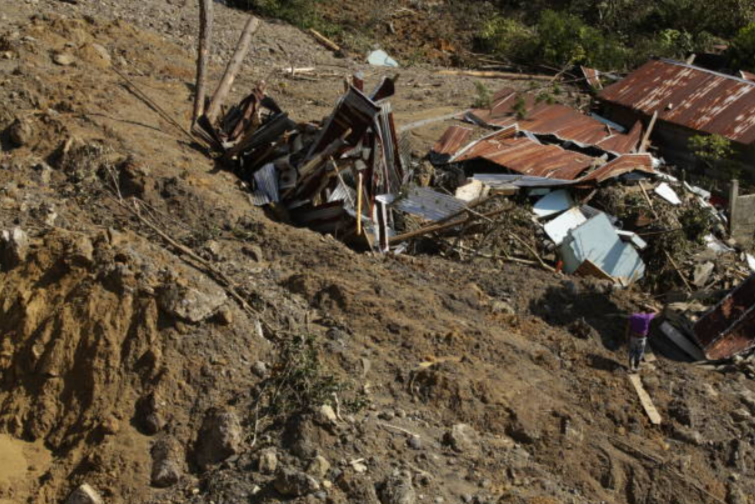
116	345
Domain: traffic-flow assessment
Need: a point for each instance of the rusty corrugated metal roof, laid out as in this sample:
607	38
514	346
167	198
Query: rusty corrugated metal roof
560	121
592	76
623	164
689	96
452	141
522	155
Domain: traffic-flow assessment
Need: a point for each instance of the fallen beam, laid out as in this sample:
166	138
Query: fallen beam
647	403
496	75
203	54
232	69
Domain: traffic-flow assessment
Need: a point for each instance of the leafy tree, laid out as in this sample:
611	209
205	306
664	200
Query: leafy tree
742	49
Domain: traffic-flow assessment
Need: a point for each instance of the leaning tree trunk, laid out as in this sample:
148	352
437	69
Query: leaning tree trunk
205	41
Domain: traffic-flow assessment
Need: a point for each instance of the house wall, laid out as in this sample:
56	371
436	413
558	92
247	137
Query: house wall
672	140
741	215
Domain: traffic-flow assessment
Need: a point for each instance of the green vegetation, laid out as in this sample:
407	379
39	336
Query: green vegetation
301	13
617	34
484	96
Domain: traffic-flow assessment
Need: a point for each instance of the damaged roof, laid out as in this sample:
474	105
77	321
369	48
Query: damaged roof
689	96
526	156
562	122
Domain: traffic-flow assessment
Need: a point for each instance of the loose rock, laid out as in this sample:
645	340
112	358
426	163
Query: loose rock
319	467
462	438
14	247
292	483
219	438
398	489
85	494
268	461
189	304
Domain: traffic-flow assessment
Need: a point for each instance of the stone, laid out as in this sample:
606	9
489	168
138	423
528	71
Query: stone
259	368
219	438
461	438
189	304
64	59
326	415
293	483
225	316
166	471
14	247
502	307
740	415
268	461
85	494
81	252
415	442
21	133
319	467
398	489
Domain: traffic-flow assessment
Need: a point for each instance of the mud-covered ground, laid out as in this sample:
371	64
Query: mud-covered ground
161	352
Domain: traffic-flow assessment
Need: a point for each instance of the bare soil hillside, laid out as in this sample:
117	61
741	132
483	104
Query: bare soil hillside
189	348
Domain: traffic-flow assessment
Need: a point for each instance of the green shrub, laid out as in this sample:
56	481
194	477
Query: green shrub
741	52
300	13
508	38
564	39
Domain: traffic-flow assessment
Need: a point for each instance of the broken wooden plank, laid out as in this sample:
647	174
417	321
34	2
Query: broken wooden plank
647	403
203	54
325	41
232	69
496	75
646	139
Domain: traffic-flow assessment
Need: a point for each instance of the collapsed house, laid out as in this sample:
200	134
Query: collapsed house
688	100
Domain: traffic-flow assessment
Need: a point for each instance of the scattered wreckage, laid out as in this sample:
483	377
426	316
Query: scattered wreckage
542	176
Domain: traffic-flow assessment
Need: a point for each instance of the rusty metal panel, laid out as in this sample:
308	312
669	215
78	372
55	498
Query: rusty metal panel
689	96
522	155
729	328
592	76
621	165
556	120
452	141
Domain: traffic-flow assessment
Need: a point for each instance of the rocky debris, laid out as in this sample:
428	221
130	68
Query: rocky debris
319	467
148	418
21	133
462	438
741	415
85	494
398	489
81	252
14	247
268	461
64	59
293	483
259	368
189	304
166	471
326	416
219	438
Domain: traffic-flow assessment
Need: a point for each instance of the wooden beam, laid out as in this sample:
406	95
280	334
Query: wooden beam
203	55
232	69
647	403
646	139
325	41
496	75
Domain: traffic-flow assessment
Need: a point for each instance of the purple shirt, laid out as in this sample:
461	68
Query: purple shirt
639	323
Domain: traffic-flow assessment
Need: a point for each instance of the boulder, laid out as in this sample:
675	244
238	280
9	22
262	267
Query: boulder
14	247
398	489
190	304
462	438
219	438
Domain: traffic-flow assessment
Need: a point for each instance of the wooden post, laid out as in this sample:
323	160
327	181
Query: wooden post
232	69
203	54
646	139
733	196
360	185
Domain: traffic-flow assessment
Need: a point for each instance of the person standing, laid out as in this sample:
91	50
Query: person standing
638	329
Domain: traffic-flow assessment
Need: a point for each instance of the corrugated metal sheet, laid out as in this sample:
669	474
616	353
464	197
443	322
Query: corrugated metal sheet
729	328
557	120
428	204
689	96
266	186
452	141
621	165
524	156
592	76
